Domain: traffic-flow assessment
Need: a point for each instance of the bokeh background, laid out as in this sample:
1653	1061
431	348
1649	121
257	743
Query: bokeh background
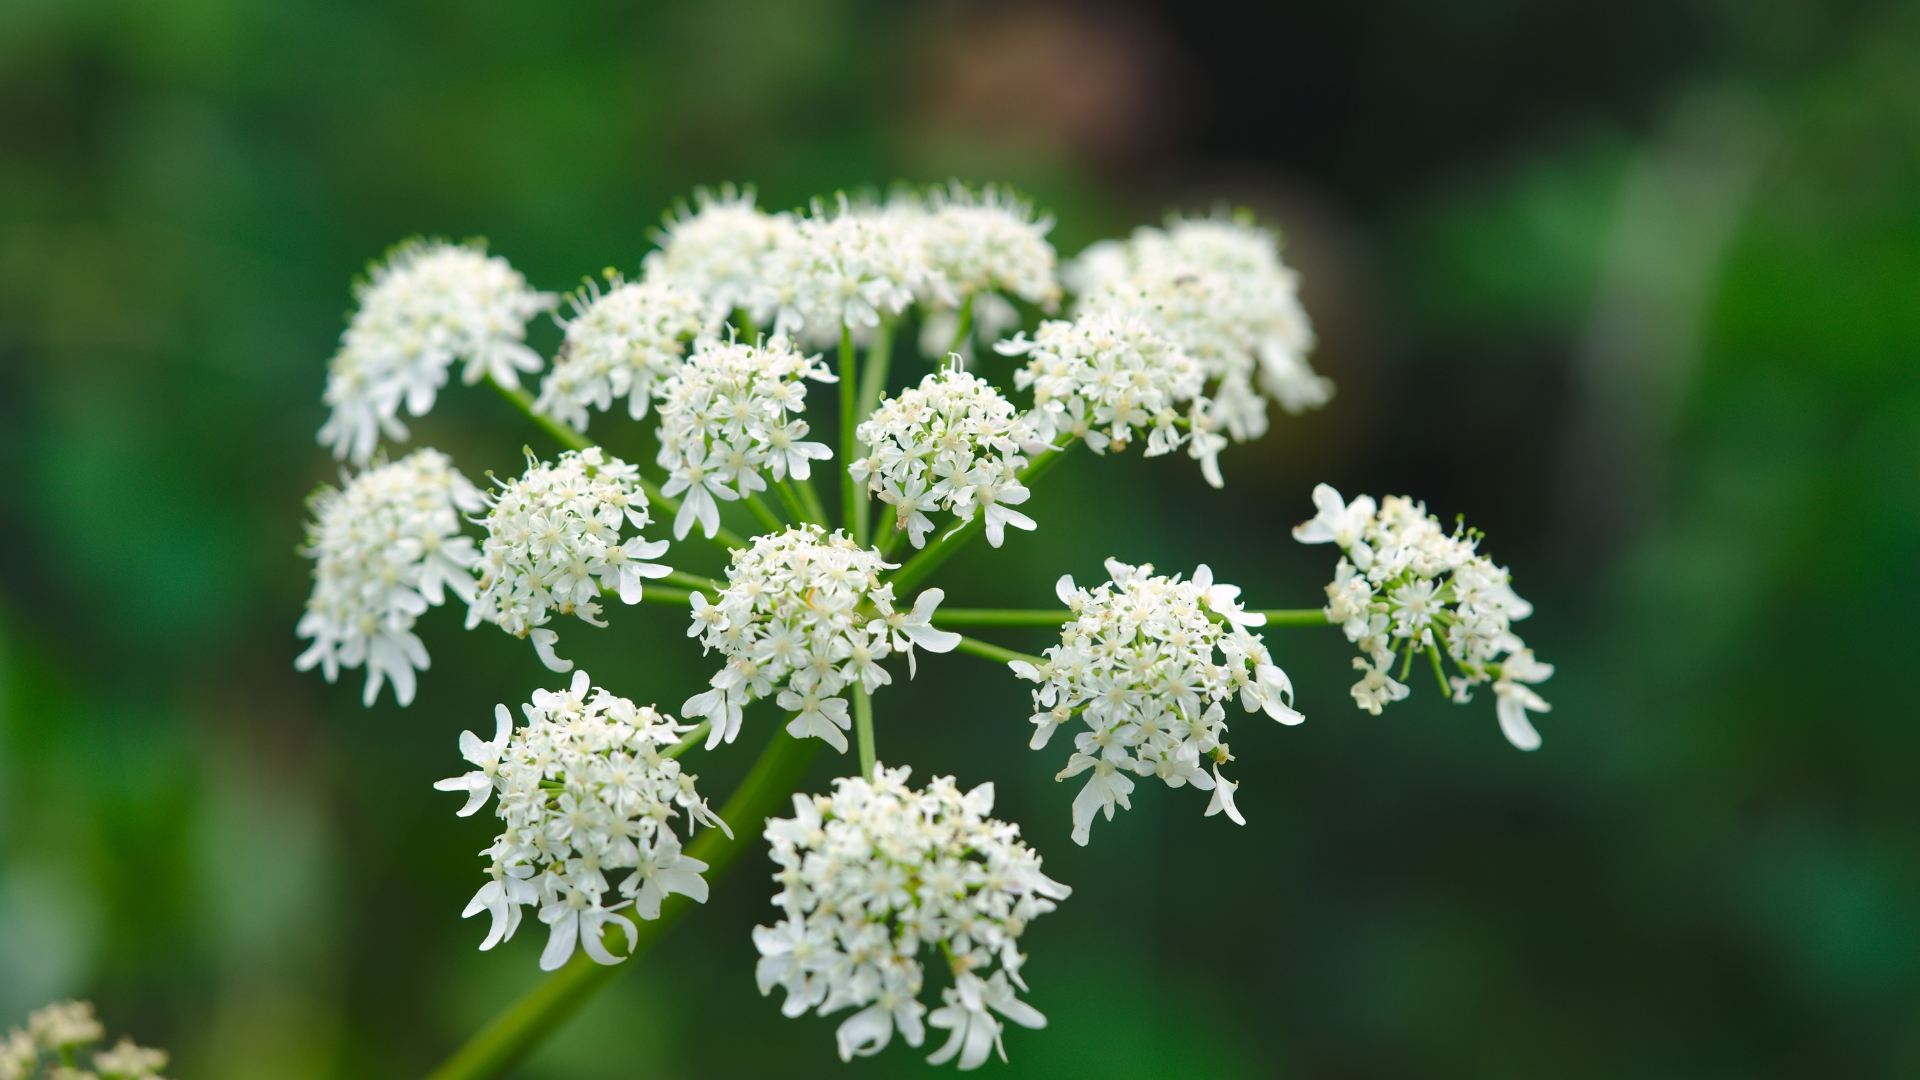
1634	285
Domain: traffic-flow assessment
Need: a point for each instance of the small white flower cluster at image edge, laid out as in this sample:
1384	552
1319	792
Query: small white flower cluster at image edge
1405	585
54	1034
878	872
587	788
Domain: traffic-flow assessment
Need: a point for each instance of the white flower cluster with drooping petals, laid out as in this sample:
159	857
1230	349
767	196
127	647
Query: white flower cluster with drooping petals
387	546
805	612
53	1037
553	545
1108	376
587	787
1405	585
719	250
430	304
846	266
1136	664
878	871
727	414
1218	287
952	443
620	344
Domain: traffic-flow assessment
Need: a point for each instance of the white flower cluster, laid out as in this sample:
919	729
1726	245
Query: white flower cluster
719	251
877	872
432	303
1136	664
387	547
54	1035
952	443
587	787
553	545
807	613
1405	585
1216	286
620	344
1108	376
725	416
846	266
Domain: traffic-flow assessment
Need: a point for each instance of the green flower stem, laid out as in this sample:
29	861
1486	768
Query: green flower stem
891	532
688	740
1439	672
942	549
810	498
995	652
520	399
693	581
764	513
999	617
1293	616
873	383
514	1033
965	325
790	498
849	419
863	728
665	594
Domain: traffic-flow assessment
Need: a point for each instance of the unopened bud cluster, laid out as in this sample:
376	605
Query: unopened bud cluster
588	787
805	616
1137	666
54	1039
432	303
1404	586
553	545
879	872
387	546
952	443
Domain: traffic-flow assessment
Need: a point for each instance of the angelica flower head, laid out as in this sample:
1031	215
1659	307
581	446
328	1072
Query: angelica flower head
386	547
952	443
430	304
804	616
1109	376
1136	664
55	1035
875	874
553	546
620	344
1217	286
590	786
729	414
846	266
1404	585
988	242
719	250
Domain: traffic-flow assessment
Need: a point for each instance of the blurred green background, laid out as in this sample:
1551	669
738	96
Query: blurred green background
1634	285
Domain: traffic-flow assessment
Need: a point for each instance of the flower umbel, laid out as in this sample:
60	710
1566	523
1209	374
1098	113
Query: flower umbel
620	344
53	1039
430	304
727	415
1136	665
386	547
952	443
553	545
875	874
1404	585
589	786
803	617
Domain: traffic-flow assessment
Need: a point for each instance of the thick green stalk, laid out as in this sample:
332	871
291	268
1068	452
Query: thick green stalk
849	491
995	652
573	440
863	728
942	548
514	1033
693	581
666	594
